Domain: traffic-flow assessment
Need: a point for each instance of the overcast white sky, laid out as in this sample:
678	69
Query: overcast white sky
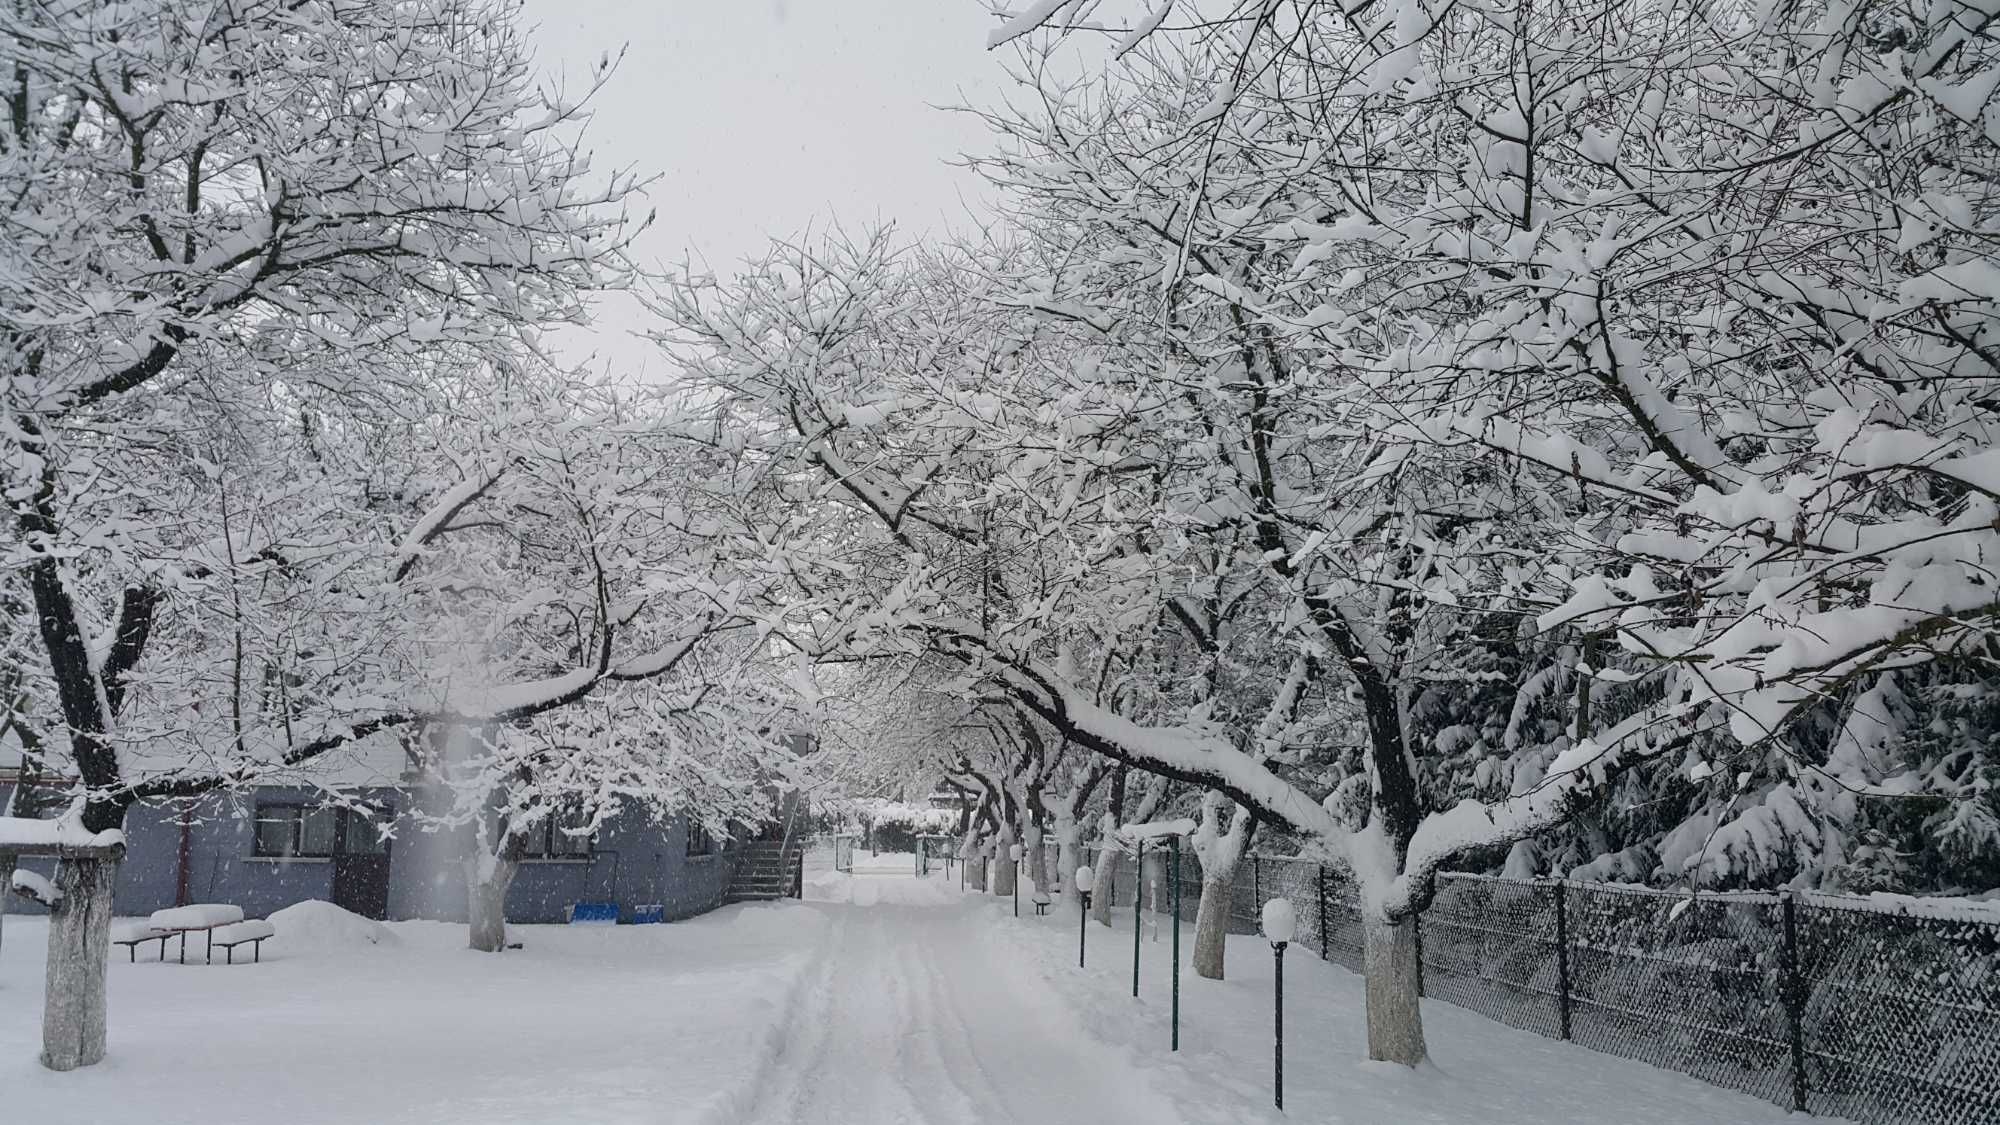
763	116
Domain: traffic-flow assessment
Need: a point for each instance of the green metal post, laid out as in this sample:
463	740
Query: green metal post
1083	926
1792	993
1138	901
1174	899
1325	945
1278	1027
1562	960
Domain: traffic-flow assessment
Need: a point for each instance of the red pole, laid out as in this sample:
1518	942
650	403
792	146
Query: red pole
186	853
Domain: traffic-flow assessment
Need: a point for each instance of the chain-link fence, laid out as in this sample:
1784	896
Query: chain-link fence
1880	1010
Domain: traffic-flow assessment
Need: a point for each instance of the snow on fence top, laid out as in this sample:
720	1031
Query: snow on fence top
1985	911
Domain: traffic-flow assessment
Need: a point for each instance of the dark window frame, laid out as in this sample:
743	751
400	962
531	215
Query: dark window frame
699	840
293	814
547	842
297	814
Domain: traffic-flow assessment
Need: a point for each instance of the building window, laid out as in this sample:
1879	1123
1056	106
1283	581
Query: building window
362	836
284	831
562	835
700	842
287	831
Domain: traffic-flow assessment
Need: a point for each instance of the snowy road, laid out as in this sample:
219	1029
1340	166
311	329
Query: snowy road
912	1016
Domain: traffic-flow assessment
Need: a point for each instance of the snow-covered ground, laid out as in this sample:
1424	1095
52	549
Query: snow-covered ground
942	1007
1480	1073
883	998
605	1025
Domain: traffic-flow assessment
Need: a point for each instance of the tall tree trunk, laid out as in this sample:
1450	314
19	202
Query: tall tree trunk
6	894
1220	851
1004	870
1107	883
1211	921
73	1006
486	901
1038	860
975	869
1389	966
1069	854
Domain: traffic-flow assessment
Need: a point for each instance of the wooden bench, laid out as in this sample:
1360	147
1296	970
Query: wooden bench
252	933
132	935
204	917
1041	903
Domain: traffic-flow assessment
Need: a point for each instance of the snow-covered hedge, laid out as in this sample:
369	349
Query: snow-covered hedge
896	826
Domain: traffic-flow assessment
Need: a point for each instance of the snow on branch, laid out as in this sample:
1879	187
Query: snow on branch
20	835
1023	23
446	508
1158	829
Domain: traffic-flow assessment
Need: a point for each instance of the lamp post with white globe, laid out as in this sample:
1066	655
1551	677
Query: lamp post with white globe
1281	922
1086	881
1015	852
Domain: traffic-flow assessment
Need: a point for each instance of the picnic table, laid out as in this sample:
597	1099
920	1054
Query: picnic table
132	935
203	917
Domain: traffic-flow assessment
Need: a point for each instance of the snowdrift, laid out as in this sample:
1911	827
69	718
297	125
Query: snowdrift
315	926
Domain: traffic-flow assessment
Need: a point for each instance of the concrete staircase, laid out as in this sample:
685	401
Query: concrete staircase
767	869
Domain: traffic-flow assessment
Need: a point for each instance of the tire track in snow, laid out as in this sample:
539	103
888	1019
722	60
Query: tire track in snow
951	1101
977	1088
815	1070
913	1018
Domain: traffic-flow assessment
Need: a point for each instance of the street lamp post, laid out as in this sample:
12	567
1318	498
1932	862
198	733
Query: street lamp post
1086	881
1280	924
1174	904
1015	851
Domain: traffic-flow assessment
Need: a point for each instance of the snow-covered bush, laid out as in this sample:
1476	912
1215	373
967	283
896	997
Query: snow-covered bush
895	827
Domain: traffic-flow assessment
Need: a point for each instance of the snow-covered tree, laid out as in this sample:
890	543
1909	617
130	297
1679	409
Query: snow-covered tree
230	228
1580	305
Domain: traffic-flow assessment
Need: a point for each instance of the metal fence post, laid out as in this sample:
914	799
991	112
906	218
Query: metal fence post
1174	898
1278	1027
1256	883
1792	995
1325	945
1562	960
1138	903
1417	935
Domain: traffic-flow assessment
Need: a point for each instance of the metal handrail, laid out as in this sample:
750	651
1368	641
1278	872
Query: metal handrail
785	848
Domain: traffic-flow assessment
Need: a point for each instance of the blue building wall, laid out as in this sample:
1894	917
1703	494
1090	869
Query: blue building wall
634	861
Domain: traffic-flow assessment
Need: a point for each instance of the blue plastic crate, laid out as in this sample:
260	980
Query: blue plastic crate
594	914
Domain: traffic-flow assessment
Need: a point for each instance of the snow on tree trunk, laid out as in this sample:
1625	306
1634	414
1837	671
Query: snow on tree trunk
975	869
1153	884
1107	883
1211	922
1004	873
1220	852
1038	860
1389	965
1069	853
486	901
79	945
